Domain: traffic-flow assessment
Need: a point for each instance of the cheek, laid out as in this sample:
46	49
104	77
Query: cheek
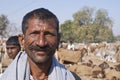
28	40
14	51
53	43
51	40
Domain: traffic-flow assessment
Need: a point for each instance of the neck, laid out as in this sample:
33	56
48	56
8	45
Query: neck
39	71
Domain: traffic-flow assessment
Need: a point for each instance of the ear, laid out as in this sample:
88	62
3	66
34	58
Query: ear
58	41
21	41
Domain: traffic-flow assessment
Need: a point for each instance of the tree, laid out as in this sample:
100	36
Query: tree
117	38
3	25
12	29
104	23
102	18
83	17
66	30
86	28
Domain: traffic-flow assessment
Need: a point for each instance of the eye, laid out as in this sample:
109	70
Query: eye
49	34
35	32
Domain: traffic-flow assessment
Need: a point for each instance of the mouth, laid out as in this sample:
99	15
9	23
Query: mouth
9	53
42	51
39	52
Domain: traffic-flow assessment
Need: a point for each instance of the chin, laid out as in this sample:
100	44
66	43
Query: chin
42	61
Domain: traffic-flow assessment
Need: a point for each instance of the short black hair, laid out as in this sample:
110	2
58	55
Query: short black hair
41	14
13	40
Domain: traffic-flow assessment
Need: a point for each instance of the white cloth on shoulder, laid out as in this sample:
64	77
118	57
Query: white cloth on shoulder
19	70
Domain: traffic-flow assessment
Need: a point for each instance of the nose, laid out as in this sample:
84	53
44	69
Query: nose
41	41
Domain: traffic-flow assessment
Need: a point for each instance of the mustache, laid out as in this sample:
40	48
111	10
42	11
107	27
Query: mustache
38	48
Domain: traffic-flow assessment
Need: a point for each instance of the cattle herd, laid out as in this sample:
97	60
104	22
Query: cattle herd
90	61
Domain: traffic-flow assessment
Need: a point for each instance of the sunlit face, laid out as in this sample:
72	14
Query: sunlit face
40	40
12	50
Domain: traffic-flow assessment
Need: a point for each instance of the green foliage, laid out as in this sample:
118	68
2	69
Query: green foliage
67	28
83	17
85	28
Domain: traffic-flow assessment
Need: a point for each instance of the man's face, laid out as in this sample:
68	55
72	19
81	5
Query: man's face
40	40
12	50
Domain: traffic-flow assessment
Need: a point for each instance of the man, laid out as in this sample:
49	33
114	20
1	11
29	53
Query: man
71	46
41	39
12	49
12	46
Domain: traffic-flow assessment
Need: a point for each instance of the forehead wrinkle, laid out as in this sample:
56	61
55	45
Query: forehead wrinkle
34	23
42	24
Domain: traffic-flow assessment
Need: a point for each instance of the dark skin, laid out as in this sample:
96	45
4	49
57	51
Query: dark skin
40	41
12	50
